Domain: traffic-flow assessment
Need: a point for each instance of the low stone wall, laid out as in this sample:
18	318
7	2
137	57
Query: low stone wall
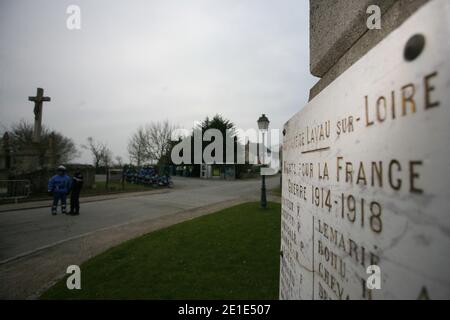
39	179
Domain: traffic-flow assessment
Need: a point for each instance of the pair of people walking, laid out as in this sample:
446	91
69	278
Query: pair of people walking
60	185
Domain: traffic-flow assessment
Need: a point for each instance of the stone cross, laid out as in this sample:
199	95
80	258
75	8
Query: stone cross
38	99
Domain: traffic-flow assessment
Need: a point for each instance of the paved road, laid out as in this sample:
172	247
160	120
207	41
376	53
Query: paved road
25	231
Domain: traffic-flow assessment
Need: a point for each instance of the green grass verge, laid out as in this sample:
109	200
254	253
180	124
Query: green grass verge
230	254
276	191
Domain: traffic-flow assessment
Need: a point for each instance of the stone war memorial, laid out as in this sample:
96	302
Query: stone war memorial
366	188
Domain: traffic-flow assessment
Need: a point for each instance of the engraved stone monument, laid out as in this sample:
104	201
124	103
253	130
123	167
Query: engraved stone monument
366	168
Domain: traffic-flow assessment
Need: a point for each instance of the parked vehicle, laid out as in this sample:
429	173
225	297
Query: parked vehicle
165	181
147	175
130	175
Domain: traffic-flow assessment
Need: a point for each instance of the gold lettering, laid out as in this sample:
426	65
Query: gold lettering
413	175
377	171
368	122
361	174
398	185
408	98
428	89
381	101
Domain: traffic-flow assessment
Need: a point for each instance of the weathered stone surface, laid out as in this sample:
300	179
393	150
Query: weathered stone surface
340	59
335	25
365	175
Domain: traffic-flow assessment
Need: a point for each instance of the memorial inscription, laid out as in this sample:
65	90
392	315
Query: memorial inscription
366	168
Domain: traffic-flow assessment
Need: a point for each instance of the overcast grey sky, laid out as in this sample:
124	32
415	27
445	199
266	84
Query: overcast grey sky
138	61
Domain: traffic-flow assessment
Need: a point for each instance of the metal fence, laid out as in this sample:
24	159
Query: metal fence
15	189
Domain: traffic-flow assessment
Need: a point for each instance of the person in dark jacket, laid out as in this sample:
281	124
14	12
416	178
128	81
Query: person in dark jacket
77	184
59	186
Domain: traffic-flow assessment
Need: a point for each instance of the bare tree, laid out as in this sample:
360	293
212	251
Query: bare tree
102	155
159	135
150	143
64	147
137	146
119	161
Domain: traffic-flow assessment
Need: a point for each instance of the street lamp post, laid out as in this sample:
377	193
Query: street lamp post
263	125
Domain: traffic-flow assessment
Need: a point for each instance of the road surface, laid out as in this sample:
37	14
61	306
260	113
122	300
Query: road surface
23	232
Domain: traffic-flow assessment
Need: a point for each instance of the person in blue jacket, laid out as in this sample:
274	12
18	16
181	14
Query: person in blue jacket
59	186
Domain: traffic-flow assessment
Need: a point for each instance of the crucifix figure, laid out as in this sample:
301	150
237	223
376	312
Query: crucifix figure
38	100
